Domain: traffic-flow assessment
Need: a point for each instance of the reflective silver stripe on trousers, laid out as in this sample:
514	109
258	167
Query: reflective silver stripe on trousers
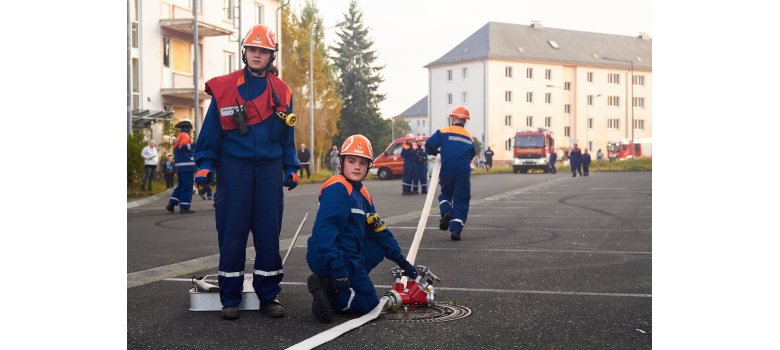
184	163
184	203
458	220
351	296
231	274
358	211
268	273
444	201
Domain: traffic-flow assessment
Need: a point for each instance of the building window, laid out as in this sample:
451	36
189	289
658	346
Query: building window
590	77
134	23
567	108
465	97
508	96
449	99
508	71
613	123
230	62
259	13
590	123
465	72
567	86
418	122
166	52
529	73
529	97
508	144
227	9
566	131
590	145
590	100
180	56
423	125
639	80
529	121
639	124
639	102
508	120
613	78
449	74
547	97
548	74
548	121
134	85
613	101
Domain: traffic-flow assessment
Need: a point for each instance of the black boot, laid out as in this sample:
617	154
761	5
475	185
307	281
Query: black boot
320	305
230	313
272	308
444	222
186	211
169	208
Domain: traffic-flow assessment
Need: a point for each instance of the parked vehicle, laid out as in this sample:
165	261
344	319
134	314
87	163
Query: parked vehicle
532	150
621	150
389	163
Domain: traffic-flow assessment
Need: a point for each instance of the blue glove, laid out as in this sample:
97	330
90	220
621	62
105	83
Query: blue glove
290	179
341	279
408	269
204	176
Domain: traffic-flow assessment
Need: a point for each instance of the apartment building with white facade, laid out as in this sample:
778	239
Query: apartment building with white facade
162	49
417	117
518	77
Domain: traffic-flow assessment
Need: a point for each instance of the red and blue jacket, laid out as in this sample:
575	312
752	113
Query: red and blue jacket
456	147
182	153
269	138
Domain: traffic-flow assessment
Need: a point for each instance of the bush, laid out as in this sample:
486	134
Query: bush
135	163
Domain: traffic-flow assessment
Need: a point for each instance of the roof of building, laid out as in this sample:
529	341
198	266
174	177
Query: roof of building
537	43
418	109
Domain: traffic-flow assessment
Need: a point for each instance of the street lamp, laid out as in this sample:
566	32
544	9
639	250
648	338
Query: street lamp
571	124
631	62
311	82
587	123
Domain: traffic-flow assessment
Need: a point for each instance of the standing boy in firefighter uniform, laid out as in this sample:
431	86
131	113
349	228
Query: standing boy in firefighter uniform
407	153
185	169
575	161
248	138
347	233
421	167
457	149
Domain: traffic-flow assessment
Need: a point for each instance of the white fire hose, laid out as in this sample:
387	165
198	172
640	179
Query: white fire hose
345	327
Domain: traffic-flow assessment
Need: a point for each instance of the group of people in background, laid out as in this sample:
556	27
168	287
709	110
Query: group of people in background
151	163
415	175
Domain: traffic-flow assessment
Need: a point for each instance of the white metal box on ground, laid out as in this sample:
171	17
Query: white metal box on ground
209	301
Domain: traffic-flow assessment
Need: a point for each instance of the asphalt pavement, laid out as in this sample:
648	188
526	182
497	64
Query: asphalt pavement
546	261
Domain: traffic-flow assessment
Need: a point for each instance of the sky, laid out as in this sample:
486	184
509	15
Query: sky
410	34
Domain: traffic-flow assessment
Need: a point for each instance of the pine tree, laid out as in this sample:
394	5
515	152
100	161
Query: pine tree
359	81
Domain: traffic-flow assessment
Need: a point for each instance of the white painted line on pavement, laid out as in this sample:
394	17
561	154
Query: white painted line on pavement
543	250
526	229
486	290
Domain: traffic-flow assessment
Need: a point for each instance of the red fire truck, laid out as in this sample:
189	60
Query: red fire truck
532	150
390	163
621	150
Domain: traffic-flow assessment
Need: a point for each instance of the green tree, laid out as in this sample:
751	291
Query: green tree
296	30
135	163
401	127
359	81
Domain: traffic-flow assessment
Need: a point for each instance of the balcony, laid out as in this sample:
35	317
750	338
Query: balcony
179	19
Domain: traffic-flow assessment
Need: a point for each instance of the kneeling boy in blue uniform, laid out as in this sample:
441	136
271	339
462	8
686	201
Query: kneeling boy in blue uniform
348	239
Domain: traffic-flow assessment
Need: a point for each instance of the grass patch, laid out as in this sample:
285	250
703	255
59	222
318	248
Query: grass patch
641	164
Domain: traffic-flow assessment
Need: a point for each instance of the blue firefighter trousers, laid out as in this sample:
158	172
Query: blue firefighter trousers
250	199
182	194
454	198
